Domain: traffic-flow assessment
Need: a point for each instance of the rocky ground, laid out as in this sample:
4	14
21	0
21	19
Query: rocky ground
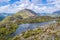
51	32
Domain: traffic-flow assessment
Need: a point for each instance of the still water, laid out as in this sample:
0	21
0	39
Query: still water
25	27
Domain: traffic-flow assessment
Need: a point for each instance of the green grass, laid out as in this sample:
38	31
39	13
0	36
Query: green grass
31	33
9	26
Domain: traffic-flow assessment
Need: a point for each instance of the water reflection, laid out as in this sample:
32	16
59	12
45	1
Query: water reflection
25	27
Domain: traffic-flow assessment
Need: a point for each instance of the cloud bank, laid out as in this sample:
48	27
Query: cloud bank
37	6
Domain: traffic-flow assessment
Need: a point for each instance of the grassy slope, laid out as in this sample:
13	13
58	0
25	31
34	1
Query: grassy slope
10	24
25	13
50	33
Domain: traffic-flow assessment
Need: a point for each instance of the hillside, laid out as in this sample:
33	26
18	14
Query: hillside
51	32
4	15
25	13
9	25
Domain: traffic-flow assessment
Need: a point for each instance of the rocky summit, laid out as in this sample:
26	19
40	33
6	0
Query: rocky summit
26	13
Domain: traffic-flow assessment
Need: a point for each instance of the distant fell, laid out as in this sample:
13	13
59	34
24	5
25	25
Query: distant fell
26	13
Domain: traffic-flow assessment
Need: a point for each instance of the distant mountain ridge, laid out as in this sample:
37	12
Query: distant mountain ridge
54	14
3	15
57	12
25	13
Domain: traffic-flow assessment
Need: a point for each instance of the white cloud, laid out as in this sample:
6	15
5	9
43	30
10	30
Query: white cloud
36	1
12	8
17	6
56	3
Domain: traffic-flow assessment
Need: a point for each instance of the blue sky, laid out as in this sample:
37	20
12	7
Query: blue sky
40	6
12	1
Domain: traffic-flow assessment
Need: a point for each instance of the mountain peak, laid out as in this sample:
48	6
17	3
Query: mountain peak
57	11
25	13
26	9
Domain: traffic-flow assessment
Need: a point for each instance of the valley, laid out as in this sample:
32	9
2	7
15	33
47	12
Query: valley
27	25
